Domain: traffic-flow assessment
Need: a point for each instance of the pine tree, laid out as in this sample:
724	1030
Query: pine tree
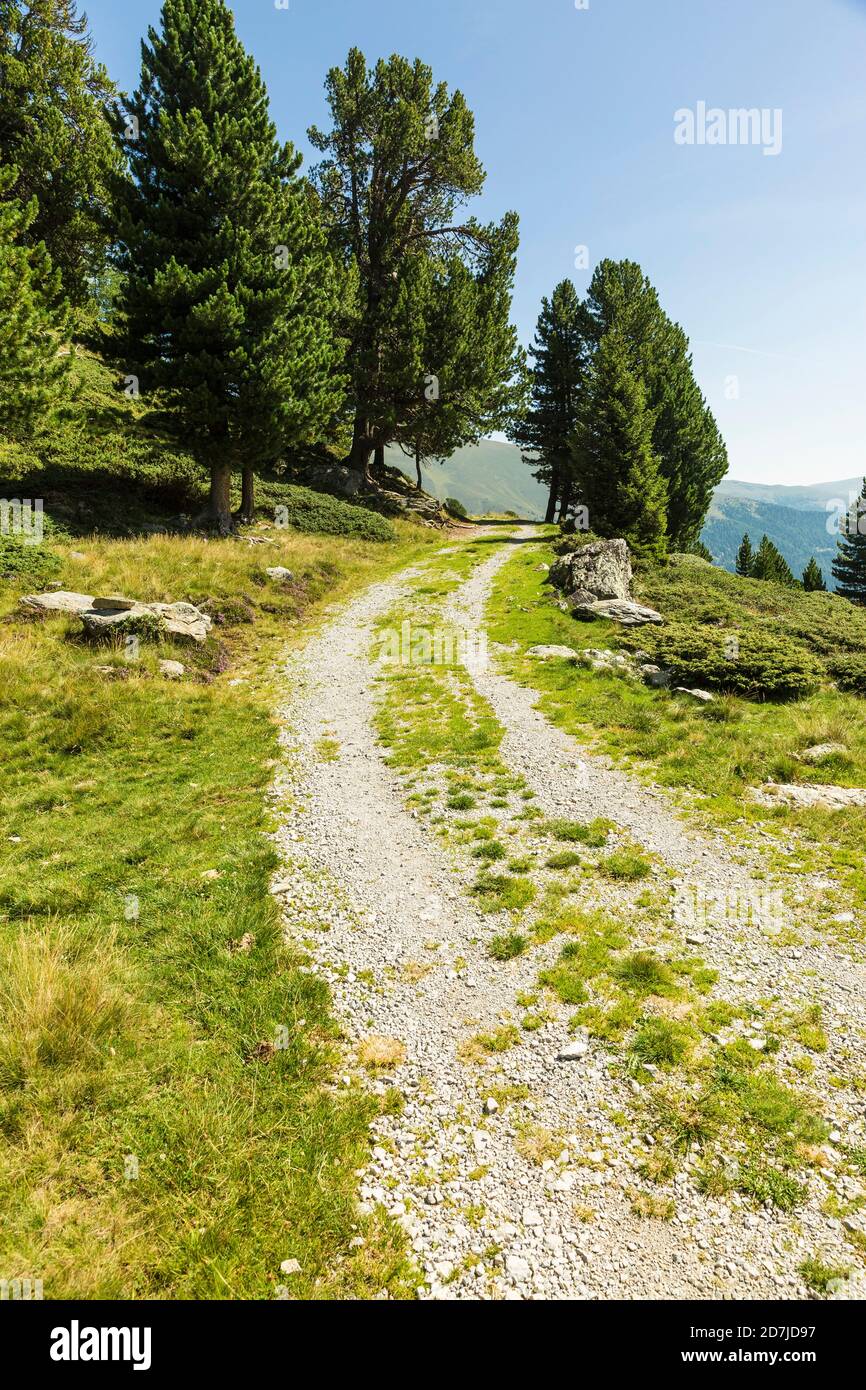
54	125
229	289
544	430
813	578
33	376
691	453
620	482
770	564
849	567
745	565
397	163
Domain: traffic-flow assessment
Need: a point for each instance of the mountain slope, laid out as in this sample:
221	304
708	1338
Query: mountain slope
486	477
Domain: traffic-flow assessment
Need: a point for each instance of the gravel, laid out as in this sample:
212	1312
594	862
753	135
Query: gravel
382	908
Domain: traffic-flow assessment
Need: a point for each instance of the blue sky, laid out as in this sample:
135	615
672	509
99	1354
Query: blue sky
761	258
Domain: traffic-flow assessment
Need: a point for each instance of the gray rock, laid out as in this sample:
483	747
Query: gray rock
172	670
819	751
182	621
655	676
791	794
60	601
573	1051
280	573
601	568
546	653
623	611
703	695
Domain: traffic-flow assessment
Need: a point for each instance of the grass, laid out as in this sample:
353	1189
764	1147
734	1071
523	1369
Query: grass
716	752
507	947
818	1276
170	1127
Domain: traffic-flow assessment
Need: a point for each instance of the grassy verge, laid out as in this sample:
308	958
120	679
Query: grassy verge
709	754
169	1122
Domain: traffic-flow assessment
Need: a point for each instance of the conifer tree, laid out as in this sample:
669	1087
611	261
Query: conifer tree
691	453
55	101
813	578
397	163
770	564
544	430
33	374
745	564
849	567
620	482
229	289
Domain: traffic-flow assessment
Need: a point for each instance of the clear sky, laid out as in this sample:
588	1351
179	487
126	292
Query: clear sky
761	258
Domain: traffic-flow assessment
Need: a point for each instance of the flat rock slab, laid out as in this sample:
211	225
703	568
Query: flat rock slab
59	601
553	653
703	695
623	611
182	621
822	798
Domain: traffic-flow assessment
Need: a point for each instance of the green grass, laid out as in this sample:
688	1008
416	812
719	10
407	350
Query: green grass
133	818
594	835
818	1276
507	946
720	750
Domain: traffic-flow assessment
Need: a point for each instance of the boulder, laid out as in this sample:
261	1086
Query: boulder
703	695
546	653
655	676
182	621
600	568
808	796
819	751
280	573
623	611
172	670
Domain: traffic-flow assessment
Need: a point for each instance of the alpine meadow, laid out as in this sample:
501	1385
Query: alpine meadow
432	669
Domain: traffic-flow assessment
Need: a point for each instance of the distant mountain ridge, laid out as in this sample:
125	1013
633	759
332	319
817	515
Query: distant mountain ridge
492	477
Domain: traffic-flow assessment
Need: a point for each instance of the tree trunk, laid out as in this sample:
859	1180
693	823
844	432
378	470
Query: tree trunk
565	503
220	503
362	449
379	457
418	465
248	494
553	498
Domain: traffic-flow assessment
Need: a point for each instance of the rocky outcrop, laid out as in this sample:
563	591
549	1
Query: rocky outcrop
598	570
182	622
623	611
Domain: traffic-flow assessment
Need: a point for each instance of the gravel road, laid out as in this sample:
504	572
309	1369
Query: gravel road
382	906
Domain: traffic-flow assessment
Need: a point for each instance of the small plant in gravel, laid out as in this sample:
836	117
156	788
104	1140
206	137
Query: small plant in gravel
624	866
377	1052
475	1049
565	859
498	893
643	973
662	1042
593	835
489	849
818	1276
508	946
537	1144
764	1183
650	1207
461	801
